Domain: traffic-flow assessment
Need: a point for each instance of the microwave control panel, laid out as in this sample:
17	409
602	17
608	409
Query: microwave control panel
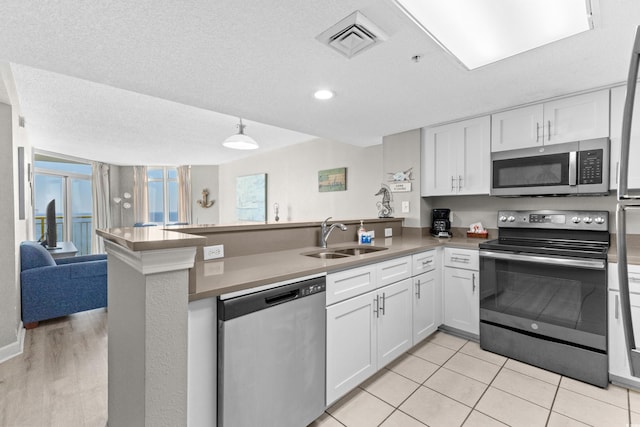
590	166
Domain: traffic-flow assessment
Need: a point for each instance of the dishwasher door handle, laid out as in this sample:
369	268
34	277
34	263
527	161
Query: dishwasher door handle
280	298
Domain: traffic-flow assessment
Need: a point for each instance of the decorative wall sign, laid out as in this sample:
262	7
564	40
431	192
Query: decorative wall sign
400	187
332	180
384	206
401	176
251	198
205	202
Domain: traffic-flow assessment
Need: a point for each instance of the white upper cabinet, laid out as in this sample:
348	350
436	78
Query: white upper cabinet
563	120
618	95
455	158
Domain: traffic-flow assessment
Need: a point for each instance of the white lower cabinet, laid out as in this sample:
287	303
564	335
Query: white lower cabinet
368	330
427	304
351	344
365	333
618	361
461	290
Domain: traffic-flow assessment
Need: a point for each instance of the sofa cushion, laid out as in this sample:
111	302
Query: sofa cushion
33	254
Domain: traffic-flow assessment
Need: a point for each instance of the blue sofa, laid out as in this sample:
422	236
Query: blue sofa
53	288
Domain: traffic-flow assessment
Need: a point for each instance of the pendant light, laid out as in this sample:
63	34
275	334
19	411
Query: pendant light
240	141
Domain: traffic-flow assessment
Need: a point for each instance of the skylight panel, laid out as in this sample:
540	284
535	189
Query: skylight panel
479	32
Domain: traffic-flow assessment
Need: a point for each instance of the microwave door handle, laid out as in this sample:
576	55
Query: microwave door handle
623	186
573	168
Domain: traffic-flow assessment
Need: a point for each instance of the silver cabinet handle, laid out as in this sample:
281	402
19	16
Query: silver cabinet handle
460	259
537	131
459	182
549	130
427	262
634	279
384	304
473	282
418	289
453	186
376	305
617	310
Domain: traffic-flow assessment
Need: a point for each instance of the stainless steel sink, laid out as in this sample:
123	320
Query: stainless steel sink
360	250
338	253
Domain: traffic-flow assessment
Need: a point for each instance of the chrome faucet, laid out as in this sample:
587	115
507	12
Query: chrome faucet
326	230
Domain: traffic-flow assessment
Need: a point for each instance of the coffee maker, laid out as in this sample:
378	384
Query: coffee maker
440	224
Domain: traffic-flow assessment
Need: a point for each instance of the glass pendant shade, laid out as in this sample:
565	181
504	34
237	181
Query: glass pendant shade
240	141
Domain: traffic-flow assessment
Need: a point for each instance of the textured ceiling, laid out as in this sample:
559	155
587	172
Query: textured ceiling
150	82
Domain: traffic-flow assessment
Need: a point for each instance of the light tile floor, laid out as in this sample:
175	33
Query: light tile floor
449	381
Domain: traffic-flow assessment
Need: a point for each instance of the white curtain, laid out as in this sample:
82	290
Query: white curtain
101	208
184	194
140	195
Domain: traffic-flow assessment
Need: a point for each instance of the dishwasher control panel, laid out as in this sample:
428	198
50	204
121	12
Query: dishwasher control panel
312	289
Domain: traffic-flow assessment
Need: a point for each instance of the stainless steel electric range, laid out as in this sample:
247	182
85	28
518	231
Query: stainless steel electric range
543	291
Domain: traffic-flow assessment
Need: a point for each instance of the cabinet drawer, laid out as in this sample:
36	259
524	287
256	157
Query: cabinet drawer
423	262
461	258
350	283
393	270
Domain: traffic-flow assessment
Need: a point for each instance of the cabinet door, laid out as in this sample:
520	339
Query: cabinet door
394	321
351	344
461	300
618	95
518	128
473	156
577	118
438	160
427	305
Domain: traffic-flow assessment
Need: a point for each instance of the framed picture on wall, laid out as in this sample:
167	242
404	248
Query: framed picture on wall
251	198
332	180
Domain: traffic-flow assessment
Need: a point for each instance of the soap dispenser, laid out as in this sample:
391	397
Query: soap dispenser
361	231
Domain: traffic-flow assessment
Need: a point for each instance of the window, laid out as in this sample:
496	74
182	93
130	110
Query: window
163	194
69	183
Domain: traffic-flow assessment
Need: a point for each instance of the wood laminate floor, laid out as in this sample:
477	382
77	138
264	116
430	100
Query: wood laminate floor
61	377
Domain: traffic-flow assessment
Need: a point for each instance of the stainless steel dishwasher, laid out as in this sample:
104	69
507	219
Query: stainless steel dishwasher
271	355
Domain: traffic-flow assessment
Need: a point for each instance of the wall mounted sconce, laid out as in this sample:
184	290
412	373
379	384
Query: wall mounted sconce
123	203
205	202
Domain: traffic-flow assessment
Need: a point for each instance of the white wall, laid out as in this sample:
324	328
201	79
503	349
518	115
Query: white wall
12	229
292	181
204	177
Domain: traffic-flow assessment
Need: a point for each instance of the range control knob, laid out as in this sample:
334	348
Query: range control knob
575	220
503	218
599	220
511	218
587	220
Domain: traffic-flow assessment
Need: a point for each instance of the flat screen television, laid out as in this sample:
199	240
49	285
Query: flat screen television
50	237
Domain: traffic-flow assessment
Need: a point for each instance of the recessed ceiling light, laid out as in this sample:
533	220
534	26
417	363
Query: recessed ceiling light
480	32
323	94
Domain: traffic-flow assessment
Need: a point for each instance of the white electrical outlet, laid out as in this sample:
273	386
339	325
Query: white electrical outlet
405	207
388	232
212	252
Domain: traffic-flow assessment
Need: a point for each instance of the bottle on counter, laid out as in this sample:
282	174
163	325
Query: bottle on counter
361	231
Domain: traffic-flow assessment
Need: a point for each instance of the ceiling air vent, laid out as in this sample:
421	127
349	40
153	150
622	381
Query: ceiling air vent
352	35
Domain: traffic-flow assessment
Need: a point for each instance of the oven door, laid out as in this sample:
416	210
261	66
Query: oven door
564	299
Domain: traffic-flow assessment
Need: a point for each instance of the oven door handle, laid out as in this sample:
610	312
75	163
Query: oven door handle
567	262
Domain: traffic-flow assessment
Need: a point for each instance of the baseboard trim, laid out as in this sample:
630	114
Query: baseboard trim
14	349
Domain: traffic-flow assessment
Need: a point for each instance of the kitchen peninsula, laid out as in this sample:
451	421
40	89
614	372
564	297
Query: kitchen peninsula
160	334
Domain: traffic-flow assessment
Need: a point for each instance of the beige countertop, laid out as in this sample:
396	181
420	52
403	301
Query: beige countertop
217	277
150	238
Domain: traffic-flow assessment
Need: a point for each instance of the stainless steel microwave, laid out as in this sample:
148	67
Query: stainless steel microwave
573	168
